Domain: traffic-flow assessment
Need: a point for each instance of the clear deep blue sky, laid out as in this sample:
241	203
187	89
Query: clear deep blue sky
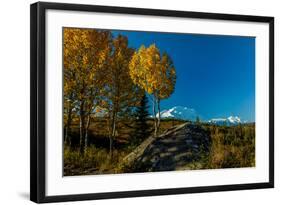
215	73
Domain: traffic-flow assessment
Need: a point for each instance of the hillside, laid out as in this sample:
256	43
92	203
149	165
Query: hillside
180	146
175	149
195	146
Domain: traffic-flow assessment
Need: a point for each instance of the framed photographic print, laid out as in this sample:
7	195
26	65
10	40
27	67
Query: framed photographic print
129	102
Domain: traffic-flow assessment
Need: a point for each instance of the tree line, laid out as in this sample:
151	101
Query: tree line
102	72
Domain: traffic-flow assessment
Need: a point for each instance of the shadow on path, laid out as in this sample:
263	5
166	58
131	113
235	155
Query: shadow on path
180	149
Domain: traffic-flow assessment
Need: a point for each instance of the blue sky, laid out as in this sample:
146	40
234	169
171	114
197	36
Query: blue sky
215	73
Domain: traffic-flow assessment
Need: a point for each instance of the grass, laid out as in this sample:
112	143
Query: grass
96	158
94	161
230	147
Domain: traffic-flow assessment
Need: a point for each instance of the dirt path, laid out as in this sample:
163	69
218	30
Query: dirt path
179	148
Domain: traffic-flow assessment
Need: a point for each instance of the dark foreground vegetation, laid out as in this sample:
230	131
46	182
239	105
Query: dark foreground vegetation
181	146
96	158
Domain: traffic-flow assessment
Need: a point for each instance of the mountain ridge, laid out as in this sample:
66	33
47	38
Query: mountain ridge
185	113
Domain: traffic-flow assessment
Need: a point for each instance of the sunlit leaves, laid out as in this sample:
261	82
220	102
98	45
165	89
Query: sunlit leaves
153	72
121	92
102	71
85	58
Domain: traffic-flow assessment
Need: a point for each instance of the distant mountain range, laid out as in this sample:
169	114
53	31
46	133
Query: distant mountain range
185	113
232	120
179	112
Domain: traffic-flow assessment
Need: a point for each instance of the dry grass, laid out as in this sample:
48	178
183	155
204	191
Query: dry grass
232	147
96	158
94	161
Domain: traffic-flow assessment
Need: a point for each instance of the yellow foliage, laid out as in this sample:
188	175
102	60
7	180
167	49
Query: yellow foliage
85	57
153	72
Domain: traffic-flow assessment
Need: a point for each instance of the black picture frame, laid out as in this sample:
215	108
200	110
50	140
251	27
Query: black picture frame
38	101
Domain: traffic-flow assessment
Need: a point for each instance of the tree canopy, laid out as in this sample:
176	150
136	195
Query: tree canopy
103	71
155	73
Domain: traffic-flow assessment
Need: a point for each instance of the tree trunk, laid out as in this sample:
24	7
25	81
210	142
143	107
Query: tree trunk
110	147
67	139
154	115
113	128
82	128
87	131
159	117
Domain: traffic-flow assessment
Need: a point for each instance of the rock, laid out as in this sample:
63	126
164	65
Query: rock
176	149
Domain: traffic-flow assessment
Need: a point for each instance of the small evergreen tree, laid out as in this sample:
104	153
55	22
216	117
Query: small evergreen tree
141	126
197	120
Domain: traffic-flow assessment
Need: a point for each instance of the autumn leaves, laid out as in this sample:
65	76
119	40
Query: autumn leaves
155	73
86	56
104	72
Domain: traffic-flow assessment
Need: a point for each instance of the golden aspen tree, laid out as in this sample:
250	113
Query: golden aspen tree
121	93
68	106
155	73
86	53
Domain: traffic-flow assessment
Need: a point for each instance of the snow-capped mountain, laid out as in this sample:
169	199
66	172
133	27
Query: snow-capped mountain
185	113
182	113
232	120
179	112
